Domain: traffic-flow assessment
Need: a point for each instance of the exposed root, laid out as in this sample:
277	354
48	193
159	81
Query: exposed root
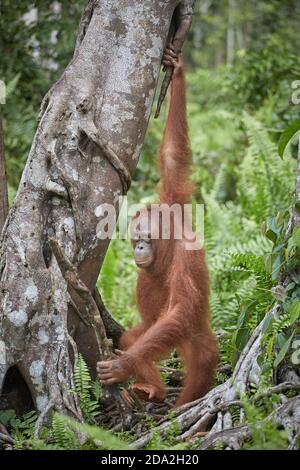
231	438
287	416
93	318
43	417
212	412
140	414
6	441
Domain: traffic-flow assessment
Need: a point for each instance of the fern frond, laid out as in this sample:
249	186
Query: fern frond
63	436
84	388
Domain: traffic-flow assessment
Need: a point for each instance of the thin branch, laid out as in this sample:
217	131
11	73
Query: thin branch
181	24
277	389
113	329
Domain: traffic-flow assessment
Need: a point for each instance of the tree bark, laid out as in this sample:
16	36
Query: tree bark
230	32
3	181
92	127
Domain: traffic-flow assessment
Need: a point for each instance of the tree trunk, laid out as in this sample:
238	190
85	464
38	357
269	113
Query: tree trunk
92	127
3	181
230	32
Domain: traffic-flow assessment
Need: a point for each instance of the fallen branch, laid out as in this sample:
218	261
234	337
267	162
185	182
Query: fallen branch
232	438
286	416
211	413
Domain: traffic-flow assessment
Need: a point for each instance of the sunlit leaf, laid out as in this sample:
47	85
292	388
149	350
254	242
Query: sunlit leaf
286	136
281	355
295	311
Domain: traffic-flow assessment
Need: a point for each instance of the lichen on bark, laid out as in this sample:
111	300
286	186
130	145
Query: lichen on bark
91	130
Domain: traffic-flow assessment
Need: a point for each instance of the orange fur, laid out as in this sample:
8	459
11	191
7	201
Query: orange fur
172	295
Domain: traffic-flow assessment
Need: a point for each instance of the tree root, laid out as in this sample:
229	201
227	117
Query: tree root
286	416
6	441
211	413
93	318
231	438
42	417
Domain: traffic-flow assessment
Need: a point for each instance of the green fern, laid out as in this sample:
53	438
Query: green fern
96	435
264	434
88	392
265	181
64	438
274	336
22	428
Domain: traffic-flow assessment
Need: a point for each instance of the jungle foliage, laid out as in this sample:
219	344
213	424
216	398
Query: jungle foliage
239	104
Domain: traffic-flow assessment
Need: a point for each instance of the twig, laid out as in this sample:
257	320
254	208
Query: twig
178	40
113	329
277	389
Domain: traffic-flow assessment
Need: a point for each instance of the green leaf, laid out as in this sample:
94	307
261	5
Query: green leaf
296	236
267	325
280	340
272	224
297	207
271	235
107	438
268	263
290	286
281	355
295	277
266	366
281	216
286	136
295	311
12	84
276	265
6	416
263	228
241	338
246	313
